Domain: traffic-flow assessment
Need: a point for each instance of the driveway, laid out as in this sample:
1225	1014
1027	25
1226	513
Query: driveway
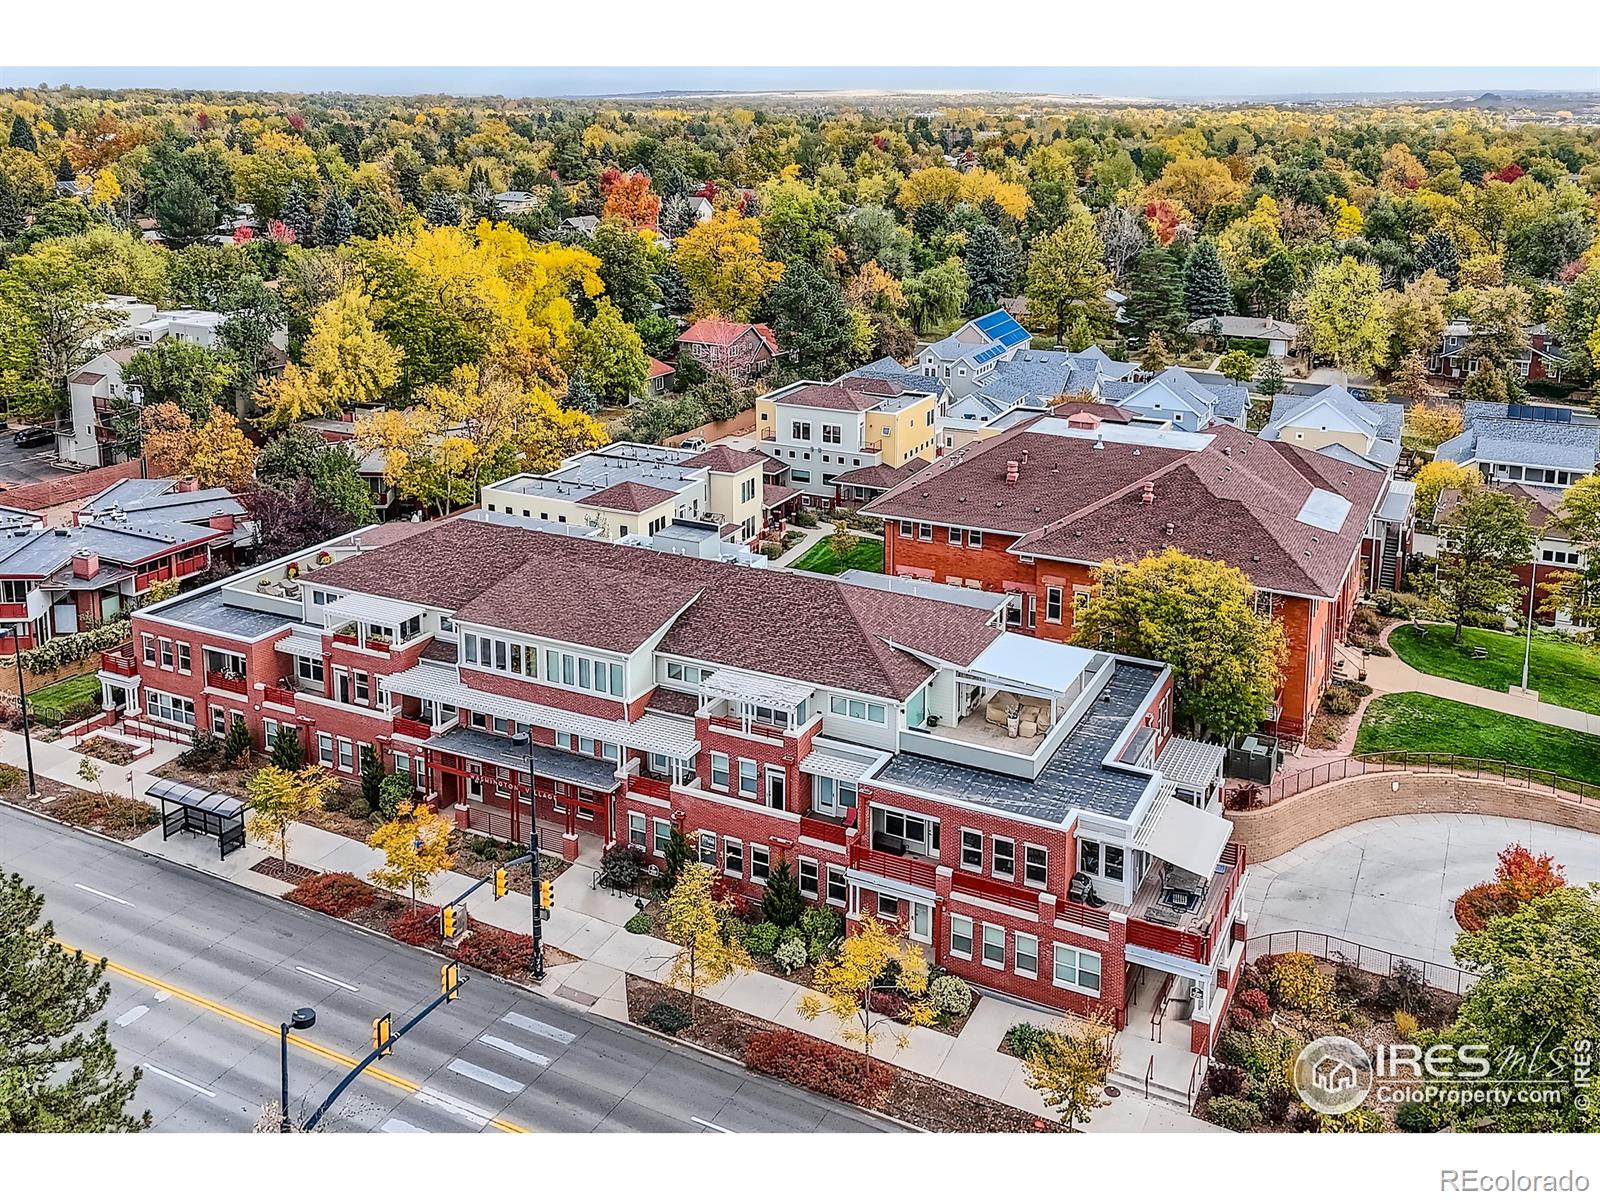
1391	883
30	465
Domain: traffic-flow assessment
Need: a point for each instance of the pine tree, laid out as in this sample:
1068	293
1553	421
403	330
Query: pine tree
580	396
236	743
678	855
674	292
782	904
1270	382
991	269
1155	296
287	752
22	135
296	213
444	208
371	776
1439	255
338	223
54	1077
1205	283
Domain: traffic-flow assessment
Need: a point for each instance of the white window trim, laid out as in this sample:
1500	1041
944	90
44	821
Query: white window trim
965	956
1017	956
983	947
1056	949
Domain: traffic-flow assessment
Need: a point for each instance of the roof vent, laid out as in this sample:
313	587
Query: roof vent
1149	496
1169	528
1012	469
1024	456
1136	452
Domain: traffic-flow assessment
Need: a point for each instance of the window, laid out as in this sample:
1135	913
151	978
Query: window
732	856
269	732
919	832
347	755
838	889
147	642
1035	866
309	670
363	688
707	847
469	650
719	771
808	877
1052	605
860	710
166	655
1003	857
799	476
905	529
1114	862
747	777
682	673
636	829
777	788
325	749
888	907
1027	959
955	536
219	721
800	431
1104	861
760	863
184	663
960	936
1089	857
1077	970
972	850
661	835
831	435
994	946
924	533
831	797
974	539
174	710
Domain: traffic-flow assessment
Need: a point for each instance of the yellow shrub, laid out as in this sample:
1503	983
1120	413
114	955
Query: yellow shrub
1296	982
1405	1025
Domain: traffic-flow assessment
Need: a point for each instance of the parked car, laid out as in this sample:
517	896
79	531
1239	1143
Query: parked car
694	443
34	435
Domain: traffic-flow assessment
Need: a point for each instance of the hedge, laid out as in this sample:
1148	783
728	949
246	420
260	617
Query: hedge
807	1062
75	647
337	893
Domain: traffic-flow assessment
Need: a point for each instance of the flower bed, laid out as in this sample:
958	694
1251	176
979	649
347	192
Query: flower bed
907	1096
109	750
111	813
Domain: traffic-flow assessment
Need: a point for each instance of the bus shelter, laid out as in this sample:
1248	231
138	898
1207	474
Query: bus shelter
188	809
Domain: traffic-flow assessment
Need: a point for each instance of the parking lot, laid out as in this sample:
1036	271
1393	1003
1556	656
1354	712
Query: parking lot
31	465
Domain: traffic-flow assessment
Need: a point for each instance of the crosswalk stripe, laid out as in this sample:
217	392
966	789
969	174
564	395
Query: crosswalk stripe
515	1050
484	1075
539	1028
396	1125
452	1105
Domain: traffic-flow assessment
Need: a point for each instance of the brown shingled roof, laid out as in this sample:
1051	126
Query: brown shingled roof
630	497
851	395
725	459
882	475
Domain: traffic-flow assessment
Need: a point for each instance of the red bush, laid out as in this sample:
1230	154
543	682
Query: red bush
498	951
1523	875
806	1062
337	893
1254	1001
417	927
1476	905
1242	1018
890	1004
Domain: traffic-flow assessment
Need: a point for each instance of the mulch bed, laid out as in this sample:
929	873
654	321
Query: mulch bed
111	812
216	779
108	750
914	1099
274	868
479	865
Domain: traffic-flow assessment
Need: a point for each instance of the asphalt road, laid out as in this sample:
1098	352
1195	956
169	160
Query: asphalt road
204	971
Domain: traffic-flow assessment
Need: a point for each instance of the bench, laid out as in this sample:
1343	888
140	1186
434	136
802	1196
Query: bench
1479	652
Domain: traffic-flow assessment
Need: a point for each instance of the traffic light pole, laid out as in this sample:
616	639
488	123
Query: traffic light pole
538	913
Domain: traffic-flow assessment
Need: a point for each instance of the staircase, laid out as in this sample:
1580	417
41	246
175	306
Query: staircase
1130	1077
1389	562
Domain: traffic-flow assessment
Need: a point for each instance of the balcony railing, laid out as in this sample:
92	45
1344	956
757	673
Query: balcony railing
769	435
1082	914
225	682
14	611
822	829
658	789
871	447
273	694
899	867
735	725
998	889
1196	945
119	662
412	728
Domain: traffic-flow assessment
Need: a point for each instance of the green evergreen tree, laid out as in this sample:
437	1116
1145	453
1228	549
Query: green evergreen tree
580	395
183	211
54	1077
287	752
781	904
1205	283
236	744
444	208
338	223
1270	382
1439	255
372	776
337	484
22	135
678	855
375	215
810	320
297	213
1155	296
991	264
1280	276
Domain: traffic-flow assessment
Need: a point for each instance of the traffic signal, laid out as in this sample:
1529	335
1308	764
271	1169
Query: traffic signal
450	981
499	882
547	894
380	1035
447	917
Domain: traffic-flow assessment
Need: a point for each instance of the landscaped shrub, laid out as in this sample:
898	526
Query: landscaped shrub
1025	1039
498	951
668	1018
236	744
772	549
790	955
1303	1120
109	811
417	926
761	940
1265	1054
1405	990
621	866
951	994
1350	982
820	924
1255	1001
792	538
75	647
805	518
202	752
1357	1120
808	1062
337	893
9	777
1406	1026
1414	1116
1340	702
1225	1080
1230	1112
1296	982
890	1004
1277	1107
780	903
638	923
1242	1018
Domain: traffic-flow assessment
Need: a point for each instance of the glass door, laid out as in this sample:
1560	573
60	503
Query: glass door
921	922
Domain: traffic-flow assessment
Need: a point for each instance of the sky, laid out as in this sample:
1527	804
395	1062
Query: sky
1177	83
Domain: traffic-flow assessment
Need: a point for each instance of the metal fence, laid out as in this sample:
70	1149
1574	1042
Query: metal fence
1368	958
1416	763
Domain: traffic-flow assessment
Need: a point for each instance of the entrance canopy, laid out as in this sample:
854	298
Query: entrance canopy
186	809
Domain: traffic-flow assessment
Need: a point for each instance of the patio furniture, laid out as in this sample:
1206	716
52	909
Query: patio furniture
1182	890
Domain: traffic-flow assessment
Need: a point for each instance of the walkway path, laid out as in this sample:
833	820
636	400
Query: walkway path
588	923
1391	883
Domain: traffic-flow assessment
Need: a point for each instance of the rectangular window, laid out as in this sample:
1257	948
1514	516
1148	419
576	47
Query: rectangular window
732	857
363	687
747	777
708	848
719	771
955	536
325	749
1114	862
831	435
166	655
219	721
960	936
1027	960
148	643
347	755
905	529
924	532
1035	866
661	835
184	663
269	732
1003	857
1052	605
838	888
760	863
636	829
808	878
1077	970
1089	857
994	946
974	539
888	907
615	672
469	649
972	849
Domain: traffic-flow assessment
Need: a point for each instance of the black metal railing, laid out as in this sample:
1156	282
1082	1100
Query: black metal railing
1326	946
1417	763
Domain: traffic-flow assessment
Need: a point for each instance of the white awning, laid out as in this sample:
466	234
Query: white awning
1033	662
654	732
1190	764
1183	835
833	765
375	610
301	645
742	687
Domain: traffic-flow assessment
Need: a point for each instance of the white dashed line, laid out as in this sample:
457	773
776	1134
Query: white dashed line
162	996
396	1125
132	1015
338	983
709	1125
194	1087
515	1050
539	1028
483	1075
104	895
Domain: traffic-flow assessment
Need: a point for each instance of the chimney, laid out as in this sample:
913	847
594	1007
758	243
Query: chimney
1012	468
85	564
188	484
1149	496
1083	420
222	521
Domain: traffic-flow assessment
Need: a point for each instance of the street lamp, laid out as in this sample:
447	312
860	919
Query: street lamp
300	1018
22	701
1527	646
524	744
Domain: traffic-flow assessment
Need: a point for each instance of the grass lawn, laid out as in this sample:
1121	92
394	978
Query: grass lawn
1561	671
1413	721
867	556
48	702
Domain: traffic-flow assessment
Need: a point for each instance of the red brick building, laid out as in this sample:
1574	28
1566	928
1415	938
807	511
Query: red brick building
1023	811
1033	512
736	349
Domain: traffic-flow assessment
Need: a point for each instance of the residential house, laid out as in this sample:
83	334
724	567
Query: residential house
511	204
661	377
737	349
1034	511
1182	398
1452	360
1280	336
1543	445
1020	809
962	361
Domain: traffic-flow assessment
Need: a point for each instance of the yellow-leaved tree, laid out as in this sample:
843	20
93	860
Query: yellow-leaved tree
279	798
219	453
693	917
723	266
846	984
1434	479
1432	424
346	362
1069	1067
416	847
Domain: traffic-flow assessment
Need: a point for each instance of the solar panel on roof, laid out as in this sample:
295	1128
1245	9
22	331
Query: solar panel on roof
1539	412
1002	327
984	356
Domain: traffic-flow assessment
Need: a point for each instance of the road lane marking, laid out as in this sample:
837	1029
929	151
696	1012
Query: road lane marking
456	1107
515	1050
104	895
396	1125
132	1015
539	1028
709	1125
194	1087
339	983
483	1075
162	996
272	1031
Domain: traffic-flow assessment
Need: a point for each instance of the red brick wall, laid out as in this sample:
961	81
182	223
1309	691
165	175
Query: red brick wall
539	693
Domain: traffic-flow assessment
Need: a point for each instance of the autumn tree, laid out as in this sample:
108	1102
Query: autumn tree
1069	1067
1579	520
55	1076
626	268
415	846
628	198
693	917
1155	357
1065	272
219	453
1199	185
1200	616
848	982
165	435
1482	538
173	371
611	356
280	799
1431	424
724	267
1434	479
1415	317
1342	315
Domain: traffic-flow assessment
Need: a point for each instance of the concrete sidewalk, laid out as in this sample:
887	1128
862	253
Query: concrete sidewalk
587	923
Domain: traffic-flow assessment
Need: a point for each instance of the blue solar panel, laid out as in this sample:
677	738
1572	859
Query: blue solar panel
1539	412
984	356
1002	327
